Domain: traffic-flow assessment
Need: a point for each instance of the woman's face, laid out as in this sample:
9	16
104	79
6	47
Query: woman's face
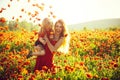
58	28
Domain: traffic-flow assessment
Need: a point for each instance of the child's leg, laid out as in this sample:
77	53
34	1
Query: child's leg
39	50
40	53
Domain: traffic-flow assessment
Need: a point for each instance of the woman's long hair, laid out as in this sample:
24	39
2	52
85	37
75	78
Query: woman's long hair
64	48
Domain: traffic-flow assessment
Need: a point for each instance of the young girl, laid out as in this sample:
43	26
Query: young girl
47	29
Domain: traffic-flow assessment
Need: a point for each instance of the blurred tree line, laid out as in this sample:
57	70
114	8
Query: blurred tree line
29	26
16	25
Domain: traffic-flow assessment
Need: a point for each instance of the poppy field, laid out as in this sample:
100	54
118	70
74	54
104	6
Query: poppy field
93	55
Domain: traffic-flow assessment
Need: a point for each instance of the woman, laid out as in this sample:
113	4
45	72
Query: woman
59	40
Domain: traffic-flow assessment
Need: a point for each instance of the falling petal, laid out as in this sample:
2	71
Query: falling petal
8	5
34	21
51	12
29	13
33	15
30	18
13	17
38	19
1	11
33	4
50	6
39	25
17	20
48	15
28	0
89	75
25	11
41	8
22	9
20	16
54	16
42	4
3	8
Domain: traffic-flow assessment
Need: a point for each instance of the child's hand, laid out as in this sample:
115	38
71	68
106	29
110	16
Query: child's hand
42	40
37	48
45	37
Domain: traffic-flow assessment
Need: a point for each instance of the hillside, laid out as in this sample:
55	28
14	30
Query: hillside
98	24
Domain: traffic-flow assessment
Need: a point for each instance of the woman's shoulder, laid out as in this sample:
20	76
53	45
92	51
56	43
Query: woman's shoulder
62	37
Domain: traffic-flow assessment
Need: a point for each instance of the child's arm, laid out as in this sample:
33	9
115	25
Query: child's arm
42	40
41	53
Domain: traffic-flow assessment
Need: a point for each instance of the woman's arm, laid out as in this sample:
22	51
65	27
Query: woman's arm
56	46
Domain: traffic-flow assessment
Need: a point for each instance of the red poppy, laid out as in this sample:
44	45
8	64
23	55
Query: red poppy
45	68
104	79
89	75
38	19
16	25
65	35
81	63
115	65
2	20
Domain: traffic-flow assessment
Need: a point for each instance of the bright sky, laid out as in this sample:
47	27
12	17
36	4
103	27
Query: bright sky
72	11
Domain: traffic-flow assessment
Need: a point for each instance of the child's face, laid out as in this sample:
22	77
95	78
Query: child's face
48	25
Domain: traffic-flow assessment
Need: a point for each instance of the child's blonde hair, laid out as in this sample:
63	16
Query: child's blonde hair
46	22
